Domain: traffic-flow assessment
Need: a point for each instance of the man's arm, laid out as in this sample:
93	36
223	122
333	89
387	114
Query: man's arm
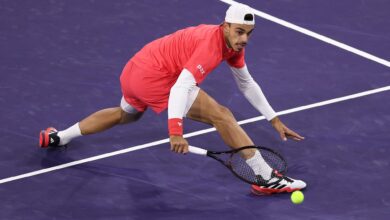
253	92
178	99
256	97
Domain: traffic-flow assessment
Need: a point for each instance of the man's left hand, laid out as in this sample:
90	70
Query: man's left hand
284	131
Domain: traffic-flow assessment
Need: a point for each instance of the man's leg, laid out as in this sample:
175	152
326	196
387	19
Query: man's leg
94	123
105	119
206	109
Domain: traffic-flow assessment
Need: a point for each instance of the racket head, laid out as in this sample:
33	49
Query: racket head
235	161
274	159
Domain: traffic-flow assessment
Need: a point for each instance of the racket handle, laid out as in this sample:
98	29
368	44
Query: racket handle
197	150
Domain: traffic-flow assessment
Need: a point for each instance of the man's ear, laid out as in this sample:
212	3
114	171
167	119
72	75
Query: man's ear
226	27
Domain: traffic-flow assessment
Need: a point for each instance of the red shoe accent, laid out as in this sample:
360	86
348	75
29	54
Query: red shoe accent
41	138
44	137
265	191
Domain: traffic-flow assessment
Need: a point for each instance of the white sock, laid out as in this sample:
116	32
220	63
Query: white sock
67	135
259	166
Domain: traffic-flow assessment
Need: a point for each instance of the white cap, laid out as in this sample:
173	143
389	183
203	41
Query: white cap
240	14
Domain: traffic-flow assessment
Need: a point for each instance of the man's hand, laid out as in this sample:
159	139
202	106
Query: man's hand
178	144
284	131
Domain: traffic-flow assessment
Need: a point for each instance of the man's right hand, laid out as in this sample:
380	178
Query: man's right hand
178	144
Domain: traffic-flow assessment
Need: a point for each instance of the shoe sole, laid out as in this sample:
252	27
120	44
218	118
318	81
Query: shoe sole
44	137
264	191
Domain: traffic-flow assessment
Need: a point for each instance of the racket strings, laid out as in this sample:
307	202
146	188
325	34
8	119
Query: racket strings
240	167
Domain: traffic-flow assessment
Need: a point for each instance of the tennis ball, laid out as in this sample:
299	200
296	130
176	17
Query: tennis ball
297	197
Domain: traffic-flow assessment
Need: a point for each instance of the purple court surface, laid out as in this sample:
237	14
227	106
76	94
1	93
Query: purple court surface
60	60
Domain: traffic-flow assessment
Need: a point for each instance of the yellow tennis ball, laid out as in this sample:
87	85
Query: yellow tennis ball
297	197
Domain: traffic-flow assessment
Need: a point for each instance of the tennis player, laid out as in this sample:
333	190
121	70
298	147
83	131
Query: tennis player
167	72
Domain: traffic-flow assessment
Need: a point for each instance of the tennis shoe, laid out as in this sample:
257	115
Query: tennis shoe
49	138
278	183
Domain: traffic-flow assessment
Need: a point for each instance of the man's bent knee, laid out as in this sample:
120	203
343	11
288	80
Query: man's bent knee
129	117
223	115
128	113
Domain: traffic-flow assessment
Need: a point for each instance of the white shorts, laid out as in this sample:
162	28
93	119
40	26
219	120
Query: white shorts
191	99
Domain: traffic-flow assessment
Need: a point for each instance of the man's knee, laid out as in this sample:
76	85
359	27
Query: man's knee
129	117
223	115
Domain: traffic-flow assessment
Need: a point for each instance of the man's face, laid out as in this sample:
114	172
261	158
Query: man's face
237	35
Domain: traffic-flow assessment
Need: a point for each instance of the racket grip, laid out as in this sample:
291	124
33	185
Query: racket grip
197	150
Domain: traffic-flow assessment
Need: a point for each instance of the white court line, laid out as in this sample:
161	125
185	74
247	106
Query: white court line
315	35
197	133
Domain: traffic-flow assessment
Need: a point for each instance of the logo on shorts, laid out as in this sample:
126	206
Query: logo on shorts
179	123
200	68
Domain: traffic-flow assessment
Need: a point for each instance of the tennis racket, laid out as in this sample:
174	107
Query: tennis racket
235	161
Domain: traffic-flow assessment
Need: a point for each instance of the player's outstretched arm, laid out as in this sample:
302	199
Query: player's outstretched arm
252	91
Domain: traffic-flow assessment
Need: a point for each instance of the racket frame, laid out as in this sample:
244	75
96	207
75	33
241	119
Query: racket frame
212	154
